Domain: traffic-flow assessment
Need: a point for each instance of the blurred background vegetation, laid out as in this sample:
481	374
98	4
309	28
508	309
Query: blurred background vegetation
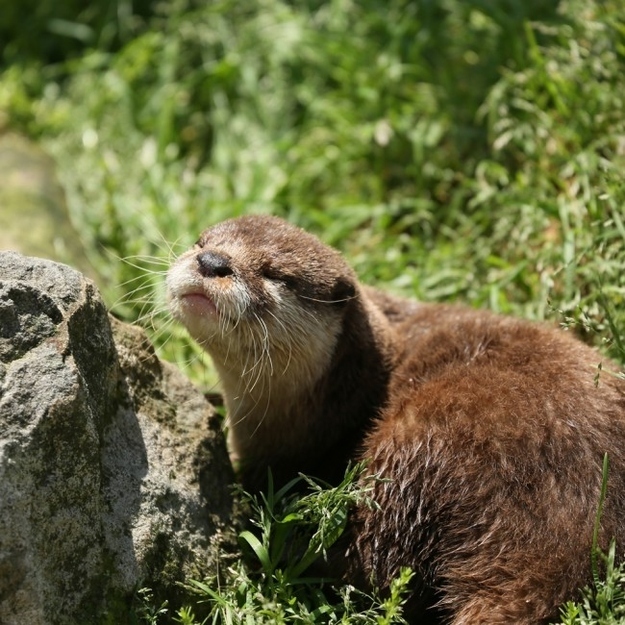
466	150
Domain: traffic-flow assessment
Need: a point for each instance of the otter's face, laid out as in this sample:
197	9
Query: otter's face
258	290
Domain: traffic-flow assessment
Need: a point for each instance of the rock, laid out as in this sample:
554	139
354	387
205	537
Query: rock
34	219
113	471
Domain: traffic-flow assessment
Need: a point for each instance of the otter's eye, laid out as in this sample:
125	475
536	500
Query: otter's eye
270	273
267	271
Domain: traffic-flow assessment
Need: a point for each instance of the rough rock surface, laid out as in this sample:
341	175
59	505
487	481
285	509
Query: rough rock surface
113	472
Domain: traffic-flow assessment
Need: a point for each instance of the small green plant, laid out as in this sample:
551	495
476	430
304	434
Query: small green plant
146	612
602	603
185	616
275	584
306	525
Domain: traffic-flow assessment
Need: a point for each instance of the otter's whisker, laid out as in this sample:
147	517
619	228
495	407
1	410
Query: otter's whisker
328	301
289	341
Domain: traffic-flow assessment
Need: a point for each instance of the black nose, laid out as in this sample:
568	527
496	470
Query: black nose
214	265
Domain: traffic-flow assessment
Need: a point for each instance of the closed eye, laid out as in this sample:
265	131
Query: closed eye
275	276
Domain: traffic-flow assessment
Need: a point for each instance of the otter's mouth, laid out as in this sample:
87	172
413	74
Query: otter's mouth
198	304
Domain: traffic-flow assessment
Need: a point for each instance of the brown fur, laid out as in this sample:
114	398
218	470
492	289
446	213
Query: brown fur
491	431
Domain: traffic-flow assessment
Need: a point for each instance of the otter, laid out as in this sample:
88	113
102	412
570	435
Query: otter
488	432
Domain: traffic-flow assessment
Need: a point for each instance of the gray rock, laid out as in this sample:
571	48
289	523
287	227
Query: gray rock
113	471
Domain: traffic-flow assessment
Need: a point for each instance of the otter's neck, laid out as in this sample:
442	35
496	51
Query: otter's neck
320	404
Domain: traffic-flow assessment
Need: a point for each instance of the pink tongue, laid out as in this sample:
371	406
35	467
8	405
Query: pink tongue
200	304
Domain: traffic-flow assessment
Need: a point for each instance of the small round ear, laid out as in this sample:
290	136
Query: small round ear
343	291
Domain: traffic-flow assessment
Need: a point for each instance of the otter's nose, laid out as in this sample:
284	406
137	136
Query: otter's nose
214	265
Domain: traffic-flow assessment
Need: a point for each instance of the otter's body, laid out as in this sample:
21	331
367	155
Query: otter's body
490	432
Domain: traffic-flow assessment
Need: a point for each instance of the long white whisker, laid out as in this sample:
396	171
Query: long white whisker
328	301
289	340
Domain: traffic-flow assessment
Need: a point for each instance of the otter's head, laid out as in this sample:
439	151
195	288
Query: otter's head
265	299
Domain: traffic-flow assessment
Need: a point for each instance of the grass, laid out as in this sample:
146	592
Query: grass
602	603
455	151
277	582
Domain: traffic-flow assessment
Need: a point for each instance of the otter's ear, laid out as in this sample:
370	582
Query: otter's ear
343	291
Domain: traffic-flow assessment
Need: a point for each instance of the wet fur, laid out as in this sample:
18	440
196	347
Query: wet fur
490	430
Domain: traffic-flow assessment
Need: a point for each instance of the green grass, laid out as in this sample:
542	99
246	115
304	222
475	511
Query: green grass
454	151
276	580
604	602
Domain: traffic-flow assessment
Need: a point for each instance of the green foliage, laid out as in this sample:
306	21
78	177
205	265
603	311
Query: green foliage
52	30
462	151
285	523
274	582
454	150
146	612
603	603
292	534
